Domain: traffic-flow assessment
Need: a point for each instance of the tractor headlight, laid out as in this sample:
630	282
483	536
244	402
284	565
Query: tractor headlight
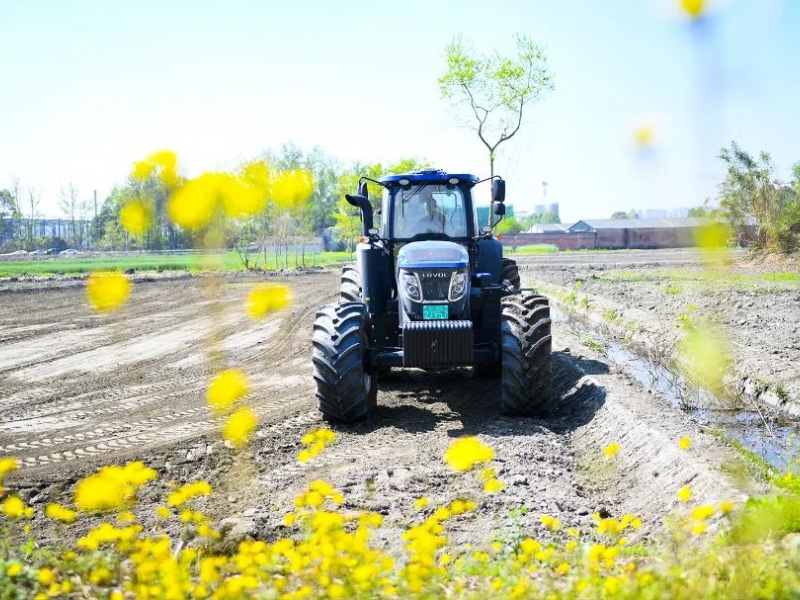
458	286
412	287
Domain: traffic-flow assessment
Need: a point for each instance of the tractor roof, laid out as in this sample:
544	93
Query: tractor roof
429	176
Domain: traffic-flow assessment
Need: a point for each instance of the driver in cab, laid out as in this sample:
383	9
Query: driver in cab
430	219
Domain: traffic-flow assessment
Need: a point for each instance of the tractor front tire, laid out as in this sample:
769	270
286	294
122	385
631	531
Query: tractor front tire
350	290
526	355
346	386
510	273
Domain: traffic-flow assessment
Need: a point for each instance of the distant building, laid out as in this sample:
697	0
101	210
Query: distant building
643	233
51	227
539	209
550	228
552	208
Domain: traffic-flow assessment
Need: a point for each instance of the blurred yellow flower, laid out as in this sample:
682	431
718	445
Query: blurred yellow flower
726	507
467	452
693	8
684	443
240	199
612	449
14	507
111	487
421	503
107	291
240	426
685	493
193	204
492	486
550	522
265	298
699	528
162	164
706	357
701	513
14	569
292	188
60	513
8	464
162	512
644	136
225	389
45	576
135	217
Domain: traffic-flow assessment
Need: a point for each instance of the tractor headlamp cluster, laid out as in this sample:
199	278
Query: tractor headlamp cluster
411	286
458	286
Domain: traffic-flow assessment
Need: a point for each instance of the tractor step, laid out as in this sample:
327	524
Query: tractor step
429	344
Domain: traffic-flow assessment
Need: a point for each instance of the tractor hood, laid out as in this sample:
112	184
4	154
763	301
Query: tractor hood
432	254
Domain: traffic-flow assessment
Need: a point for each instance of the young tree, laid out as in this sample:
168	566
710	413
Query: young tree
68	204
492	91
32	208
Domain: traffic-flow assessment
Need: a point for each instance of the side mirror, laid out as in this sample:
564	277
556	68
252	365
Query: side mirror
356	200
499	209
498	191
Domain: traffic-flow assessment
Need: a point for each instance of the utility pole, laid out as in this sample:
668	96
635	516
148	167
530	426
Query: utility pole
544	192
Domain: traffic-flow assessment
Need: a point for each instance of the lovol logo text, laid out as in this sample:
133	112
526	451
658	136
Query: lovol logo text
425	275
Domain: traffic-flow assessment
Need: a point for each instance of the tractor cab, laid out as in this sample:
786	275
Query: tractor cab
429	290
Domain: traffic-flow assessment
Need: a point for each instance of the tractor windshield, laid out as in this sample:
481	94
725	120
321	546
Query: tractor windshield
429	209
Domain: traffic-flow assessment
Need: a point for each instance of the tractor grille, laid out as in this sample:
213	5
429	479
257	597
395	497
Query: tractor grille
435	289
429	344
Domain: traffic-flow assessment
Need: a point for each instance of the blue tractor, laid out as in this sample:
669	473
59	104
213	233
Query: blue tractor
430	290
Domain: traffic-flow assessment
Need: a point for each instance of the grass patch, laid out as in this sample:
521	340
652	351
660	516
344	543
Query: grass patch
535	249
590	342
223	261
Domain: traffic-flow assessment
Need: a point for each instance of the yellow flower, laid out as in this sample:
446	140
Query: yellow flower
239	199
225	389
45	576
135	217
60	513
14	570
97	493
240	426
550	522
693	8
266	298
701	513
612	449
467	452
421	503
685	493
107	291
14	507
726	507
163	512
684	443
492	486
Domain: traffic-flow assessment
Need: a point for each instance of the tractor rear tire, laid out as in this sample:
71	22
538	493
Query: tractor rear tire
510	273
526	355
350	290
347	388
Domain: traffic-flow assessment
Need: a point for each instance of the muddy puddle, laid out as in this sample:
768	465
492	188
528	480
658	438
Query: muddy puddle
771	438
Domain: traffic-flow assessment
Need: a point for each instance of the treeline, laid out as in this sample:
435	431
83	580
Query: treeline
325	213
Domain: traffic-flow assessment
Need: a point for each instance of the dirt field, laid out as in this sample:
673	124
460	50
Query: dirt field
78	390
754	304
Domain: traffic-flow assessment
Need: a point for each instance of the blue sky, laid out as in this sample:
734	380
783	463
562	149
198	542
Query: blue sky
90	87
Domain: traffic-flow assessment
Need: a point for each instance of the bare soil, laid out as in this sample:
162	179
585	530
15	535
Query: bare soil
79	390
754	303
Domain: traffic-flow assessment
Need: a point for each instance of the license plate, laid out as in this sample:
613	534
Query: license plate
435	311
